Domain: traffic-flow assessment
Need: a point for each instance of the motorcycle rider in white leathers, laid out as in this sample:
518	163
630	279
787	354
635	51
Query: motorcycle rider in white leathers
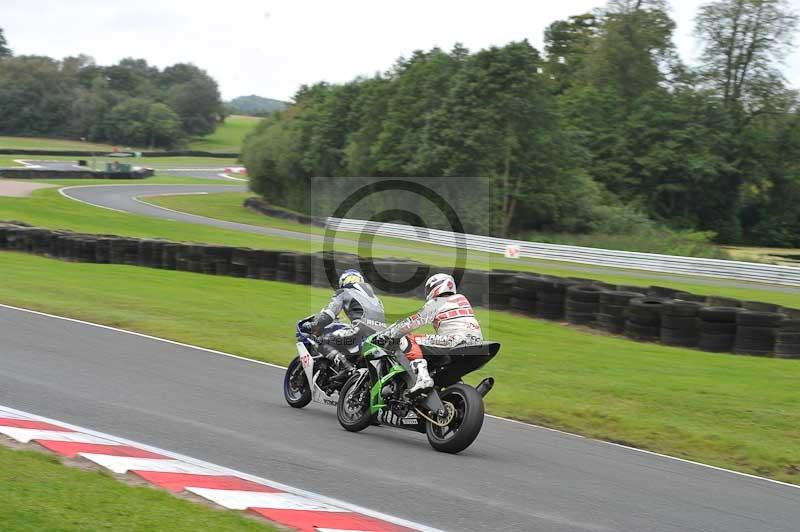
453	320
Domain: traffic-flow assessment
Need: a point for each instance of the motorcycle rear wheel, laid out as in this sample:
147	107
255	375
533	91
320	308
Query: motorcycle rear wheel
296	389
352	409
466	424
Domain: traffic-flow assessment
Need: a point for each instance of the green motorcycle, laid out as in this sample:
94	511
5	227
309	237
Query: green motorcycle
451	414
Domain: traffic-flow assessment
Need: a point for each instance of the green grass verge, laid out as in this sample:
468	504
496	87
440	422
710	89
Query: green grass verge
40	493
41	143
730	411
228	136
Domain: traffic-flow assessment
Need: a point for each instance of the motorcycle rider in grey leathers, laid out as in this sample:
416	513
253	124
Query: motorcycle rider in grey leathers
364	310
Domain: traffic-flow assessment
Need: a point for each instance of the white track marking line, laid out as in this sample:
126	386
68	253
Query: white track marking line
12	416
242	500
531	425
63	190
217	469
26	435
123	464
27	164
226	176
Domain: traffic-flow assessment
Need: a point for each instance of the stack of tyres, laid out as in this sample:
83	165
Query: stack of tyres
286	268
252	263
787	343
718	301
688	296
756	332
758	306
613	310
196	254
718	328
523	293
662	291
40	241
501	286
4	229
102	250
238	264
644	318
302	268
680	323
583	304
475	286
157	253
211	258
170	255
551	297
146	253
319	276
16	238
87	248
268	270
118	250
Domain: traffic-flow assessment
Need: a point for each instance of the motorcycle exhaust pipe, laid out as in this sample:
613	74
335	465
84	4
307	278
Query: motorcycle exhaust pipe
485	386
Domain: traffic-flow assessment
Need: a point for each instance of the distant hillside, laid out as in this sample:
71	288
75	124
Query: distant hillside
256	105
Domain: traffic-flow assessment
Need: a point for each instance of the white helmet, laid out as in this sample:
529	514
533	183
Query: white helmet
438	284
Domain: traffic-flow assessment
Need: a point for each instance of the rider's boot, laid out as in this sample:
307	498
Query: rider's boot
424	380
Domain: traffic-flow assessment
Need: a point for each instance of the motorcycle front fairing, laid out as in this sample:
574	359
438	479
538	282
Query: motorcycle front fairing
317	394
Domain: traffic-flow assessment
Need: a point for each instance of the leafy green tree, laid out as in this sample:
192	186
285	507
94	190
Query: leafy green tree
743	41
567	44
164	126
5	51
194	95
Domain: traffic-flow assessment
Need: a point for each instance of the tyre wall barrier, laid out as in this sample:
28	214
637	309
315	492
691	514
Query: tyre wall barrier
654	314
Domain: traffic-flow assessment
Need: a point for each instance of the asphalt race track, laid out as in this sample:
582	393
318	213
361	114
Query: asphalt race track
231	412
123	198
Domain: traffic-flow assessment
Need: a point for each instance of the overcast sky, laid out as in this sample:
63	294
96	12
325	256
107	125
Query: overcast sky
271	47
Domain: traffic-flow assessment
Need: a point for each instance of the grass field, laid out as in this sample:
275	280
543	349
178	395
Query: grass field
39	493
228	136
41	143
731	411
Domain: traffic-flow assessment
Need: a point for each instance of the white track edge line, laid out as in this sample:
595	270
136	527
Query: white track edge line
62	192
226	176
515	421
229	471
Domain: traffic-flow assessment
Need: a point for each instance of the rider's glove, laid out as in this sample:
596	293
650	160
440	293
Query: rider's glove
307	327
381	340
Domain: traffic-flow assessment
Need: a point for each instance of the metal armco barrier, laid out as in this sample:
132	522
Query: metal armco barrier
727	269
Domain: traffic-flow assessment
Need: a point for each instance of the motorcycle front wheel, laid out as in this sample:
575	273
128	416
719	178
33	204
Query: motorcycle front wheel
352	409
466	422
296	390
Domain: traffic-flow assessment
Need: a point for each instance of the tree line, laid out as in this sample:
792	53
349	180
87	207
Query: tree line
605	130
130	103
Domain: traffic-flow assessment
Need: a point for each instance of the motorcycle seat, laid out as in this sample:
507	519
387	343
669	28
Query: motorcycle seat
489	349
